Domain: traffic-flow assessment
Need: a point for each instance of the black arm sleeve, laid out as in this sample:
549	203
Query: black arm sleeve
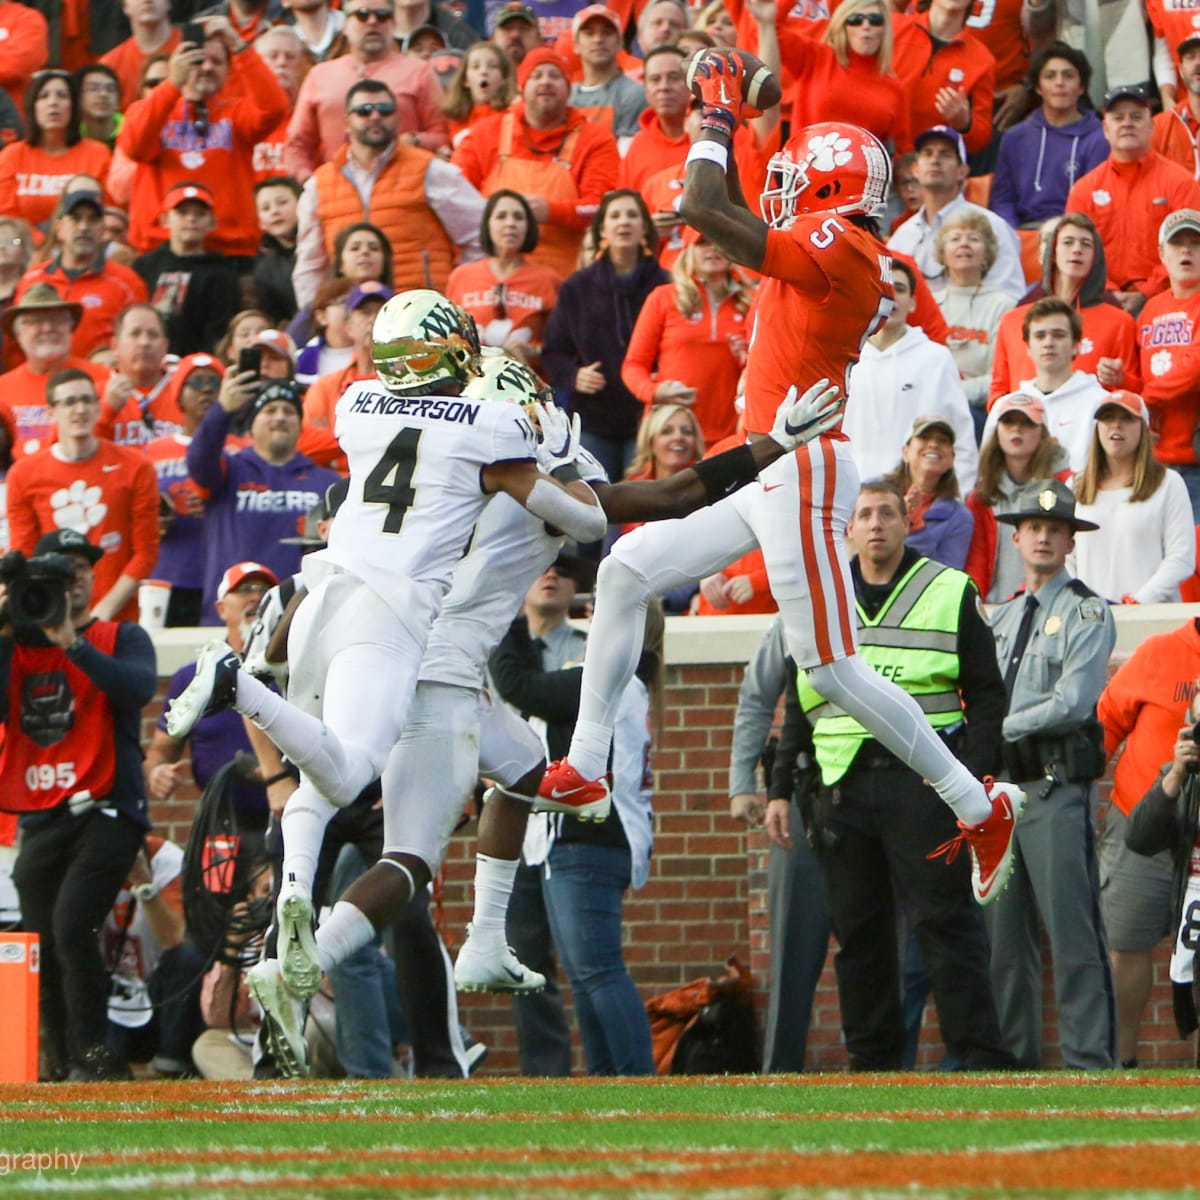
984	699
128	676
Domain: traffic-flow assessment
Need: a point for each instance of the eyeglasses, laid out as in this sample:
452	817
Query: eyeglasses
206	383
498	298
384	108
251	589
874	19
101	85
365	14
80	401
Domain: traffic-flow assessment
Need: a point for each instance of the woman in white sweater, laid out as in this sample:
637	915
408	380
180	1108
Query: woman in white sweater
1146	544
966	245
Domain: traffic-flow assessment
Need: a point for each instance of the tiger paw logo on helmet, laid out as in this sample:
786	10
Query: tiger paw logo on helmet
828	152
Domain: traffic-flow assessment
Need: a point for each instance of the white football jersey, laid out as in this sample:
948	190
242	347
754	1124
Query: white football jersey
511	549
416	489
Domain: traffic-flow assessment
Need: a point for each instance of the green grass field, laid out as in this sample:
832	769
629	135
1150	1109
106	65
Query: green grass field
831	1136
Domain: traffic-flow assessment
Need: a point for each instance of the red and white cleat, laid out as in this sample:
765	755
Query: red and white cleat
564	790
990	842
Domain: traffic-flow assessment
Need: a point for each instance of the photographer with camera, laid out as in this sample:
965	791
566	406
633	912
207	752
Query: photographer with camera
260	495
1165	822
108	493
71	763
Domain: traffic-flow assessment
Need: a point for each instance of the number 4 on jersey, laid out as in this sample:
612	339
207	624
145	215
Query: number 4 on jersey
390	480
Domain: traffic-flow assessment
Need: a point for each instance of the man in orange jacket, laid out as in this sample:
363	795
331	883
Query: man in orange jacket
1177	130
80	272
561	162
200	125
1128	195
662	140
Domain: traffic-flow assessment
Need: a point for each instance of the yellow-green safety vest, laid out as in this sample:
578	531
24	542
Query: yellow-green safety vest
913	641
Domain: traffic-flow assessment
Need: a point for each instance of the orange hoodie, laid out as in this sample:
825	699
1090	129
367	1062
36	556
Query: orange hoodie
1144	705
651	151
161	135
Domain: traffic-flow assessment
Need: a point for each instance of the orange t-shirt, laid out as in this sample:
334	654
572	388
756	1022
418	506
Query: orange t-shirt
827	288
320	401
32	180
127	60
513	309
1144	705
111	498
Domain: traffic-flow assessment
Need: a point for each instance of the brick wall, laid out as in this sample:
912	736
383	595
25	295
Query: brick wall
706	896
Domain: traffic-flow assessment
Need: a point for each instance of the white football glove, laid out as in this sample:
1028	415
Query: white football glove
798	421
559	439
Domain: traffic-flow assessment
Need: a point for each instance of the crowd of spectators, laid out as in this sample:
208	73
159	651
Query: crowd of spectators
202	209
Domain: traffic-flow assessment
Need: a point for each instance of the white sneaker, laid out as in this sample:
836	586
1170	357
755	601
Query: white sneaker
213	688
493	967
297	944
283	1018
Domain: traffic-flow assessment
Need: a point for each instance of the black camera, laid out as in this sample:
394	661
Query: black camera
1194	768
37	587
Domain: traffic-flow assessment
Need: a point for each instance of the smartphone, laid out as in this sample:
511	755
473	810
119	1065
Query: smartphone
250	359
193	32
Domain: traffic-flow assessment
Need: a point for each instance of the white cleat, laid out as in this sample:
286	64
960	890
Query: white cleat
213	688
493	968
283	1018
297	944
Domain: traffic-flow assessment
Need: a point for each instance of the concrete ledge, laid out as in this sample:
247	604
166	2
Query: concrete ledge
692	641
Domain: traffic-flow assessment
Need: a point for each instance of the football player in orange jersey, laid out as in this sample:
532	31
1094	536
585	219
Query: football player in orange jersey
827	287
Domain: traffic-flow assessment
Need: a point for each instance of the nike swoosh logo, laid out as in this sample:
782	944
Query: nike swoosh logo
515	976
111	467
770	487
555	794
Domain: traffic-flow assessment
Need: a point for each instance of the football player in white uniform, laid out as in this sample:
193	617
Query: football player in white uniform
431	772
424	462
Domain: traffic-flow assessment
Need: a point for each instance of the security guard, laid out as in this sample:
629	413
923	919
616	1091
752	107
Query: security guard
1053	641
875	821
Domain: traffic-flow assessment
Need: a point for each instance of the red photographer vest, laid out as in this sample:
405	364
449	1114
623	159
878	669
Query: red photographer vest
59	737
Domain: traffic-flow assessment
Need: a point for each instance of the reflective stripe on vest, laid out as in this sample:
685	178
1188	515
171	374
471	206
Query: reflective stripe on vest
912	640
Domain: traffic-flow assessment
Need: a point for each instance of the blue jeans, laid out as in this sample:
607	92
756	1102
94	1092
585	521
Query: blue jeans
1191	476
583	885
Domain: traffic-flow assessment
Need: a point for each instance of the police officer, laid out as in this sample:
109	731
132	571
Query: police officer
875	821
1053	641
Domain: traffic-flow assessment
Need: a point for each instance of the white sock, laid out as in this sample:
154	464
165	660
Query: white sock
345	930
895	720
303	827
614	648
493	886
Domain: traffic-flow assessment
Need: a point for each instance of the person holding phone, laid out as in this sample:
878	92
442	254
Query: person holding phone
200	125
194	289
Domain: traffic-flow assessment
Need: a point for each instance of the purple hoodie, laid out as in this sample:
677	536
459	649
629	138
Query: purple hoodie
252	504
1038	163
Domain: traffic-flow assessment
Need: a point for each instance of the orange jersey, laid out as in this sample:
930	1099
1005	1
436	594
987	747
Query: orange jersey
1173	21
111	498
101	293
827	287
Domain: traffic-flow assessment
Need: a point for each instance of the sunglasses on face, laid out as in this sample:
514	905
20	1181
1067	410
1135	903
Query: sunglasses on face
875	19
384	108
365	14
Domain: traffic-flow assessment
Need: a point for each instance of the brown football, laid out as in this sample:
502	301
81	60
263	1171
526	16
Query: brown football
760	88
